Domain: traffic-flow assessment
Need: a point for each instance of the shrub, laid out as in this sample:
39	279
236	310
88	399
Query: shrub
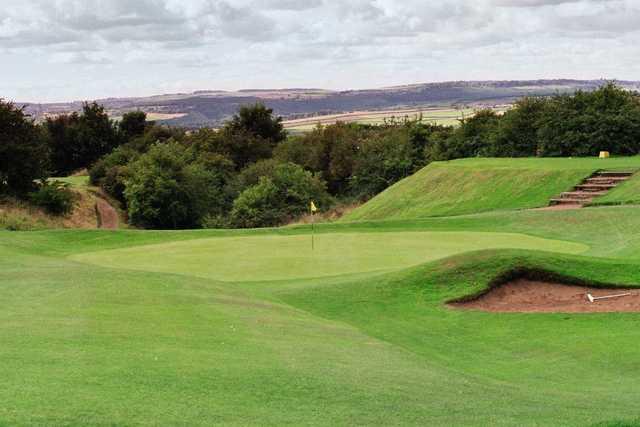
167	188
279	198
251	175
54	197
113	182
383	160
259	206
329	150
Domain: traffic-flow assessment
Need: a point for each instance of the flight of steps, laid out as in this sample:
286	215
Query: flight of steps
596	185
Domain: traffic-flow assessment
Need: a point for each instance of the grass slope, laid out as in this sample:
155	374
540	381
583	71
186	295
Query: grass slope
477	185
626	193
84	344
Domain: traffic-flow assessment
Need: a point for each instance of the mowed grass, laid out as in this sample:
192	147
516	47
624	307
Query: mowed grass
213	327
477	185
124	346
626	193
78	181
263	258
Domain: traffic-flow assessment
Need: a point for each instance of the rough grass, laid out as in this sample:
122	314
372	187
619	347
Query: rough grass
18	215
478	185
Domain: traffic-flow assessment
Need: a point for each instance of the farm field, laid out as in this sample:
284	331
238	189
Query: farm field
247	327
443	116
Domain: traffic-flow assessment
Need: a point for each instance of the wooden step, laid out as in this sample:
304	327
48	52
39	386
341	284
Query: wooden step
594	187
606	179
615	173
569	201
581	194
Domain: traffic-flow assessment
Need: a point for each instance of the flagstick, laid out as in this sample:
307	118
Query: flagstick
312	231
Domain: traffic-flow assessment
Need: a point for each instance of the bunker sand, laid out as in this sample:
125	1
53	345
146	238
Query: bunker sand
528	296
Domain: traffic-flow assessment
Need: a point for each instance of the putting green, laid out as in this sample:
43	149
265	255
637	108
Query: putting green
262	258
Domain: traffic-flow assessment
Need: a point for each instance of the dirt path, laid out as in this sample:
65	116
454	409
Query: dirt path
558	207
107	215
527	296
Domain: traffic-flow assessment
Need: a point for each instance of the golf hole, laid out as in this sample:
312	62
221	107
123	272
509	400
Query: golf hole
531	296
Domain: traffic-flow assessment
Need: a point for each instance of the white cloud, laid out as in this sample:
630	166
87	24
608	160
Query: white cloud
336	43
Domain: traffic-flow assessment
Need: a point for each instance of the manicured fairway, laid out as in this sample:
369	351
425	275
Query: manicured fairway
263	258
119	344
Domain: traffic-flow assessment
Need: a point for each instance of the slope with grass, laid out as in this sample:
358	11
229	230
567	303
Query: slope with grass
627	193
477	185
92	209
252	327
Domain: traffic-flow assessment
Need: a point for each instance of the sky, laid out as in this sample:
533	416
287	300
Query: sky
63	50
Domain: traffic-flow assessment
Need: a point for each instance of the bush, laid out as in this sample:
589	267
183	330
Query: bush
251	175
167	188
114	182
154	193
279	198
259	206
329	151
111	171
55	198
383	160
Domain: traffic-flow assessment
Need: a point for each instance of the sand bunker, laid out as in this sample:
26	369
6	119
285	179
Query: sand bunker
529	296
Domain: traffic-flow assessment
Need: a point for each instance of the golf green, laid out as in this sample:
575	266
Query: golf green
274	257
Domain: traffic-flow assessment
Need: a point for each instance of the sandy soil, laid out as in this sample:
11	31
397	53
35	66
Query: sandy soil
527	296
562	207
107	215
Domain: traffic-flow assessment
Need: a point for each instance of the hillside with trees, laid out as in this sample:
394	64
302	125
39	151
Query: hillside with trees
250	173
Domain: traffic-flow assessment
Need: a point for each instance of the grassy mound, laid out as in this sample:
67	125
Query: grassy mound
478	185
135	327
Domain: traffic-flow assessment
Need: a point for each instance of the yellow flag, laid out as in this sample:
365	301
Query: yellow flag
313	207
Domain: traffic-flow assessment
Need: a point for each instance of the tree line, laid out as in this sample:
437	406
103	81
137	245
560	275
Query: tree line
580	124
250	173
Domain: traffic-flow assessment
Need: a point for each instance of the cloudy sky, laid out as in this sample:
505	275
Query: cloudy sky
59	50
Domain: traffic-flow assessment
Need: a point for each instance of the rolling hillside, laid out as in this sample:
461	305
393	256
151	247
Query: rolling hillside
478	185
210	108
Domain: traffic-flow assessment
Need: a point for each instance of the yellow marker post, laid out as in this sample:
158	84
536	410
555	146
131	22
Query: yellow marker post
604	154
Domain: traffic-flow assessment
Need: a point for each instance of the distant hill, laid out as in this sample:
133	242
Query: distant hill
210	108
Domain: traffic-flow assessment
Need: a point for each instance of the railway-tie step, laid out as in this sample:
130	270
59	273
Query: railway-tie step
594	186
568	201
615	173
581	194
